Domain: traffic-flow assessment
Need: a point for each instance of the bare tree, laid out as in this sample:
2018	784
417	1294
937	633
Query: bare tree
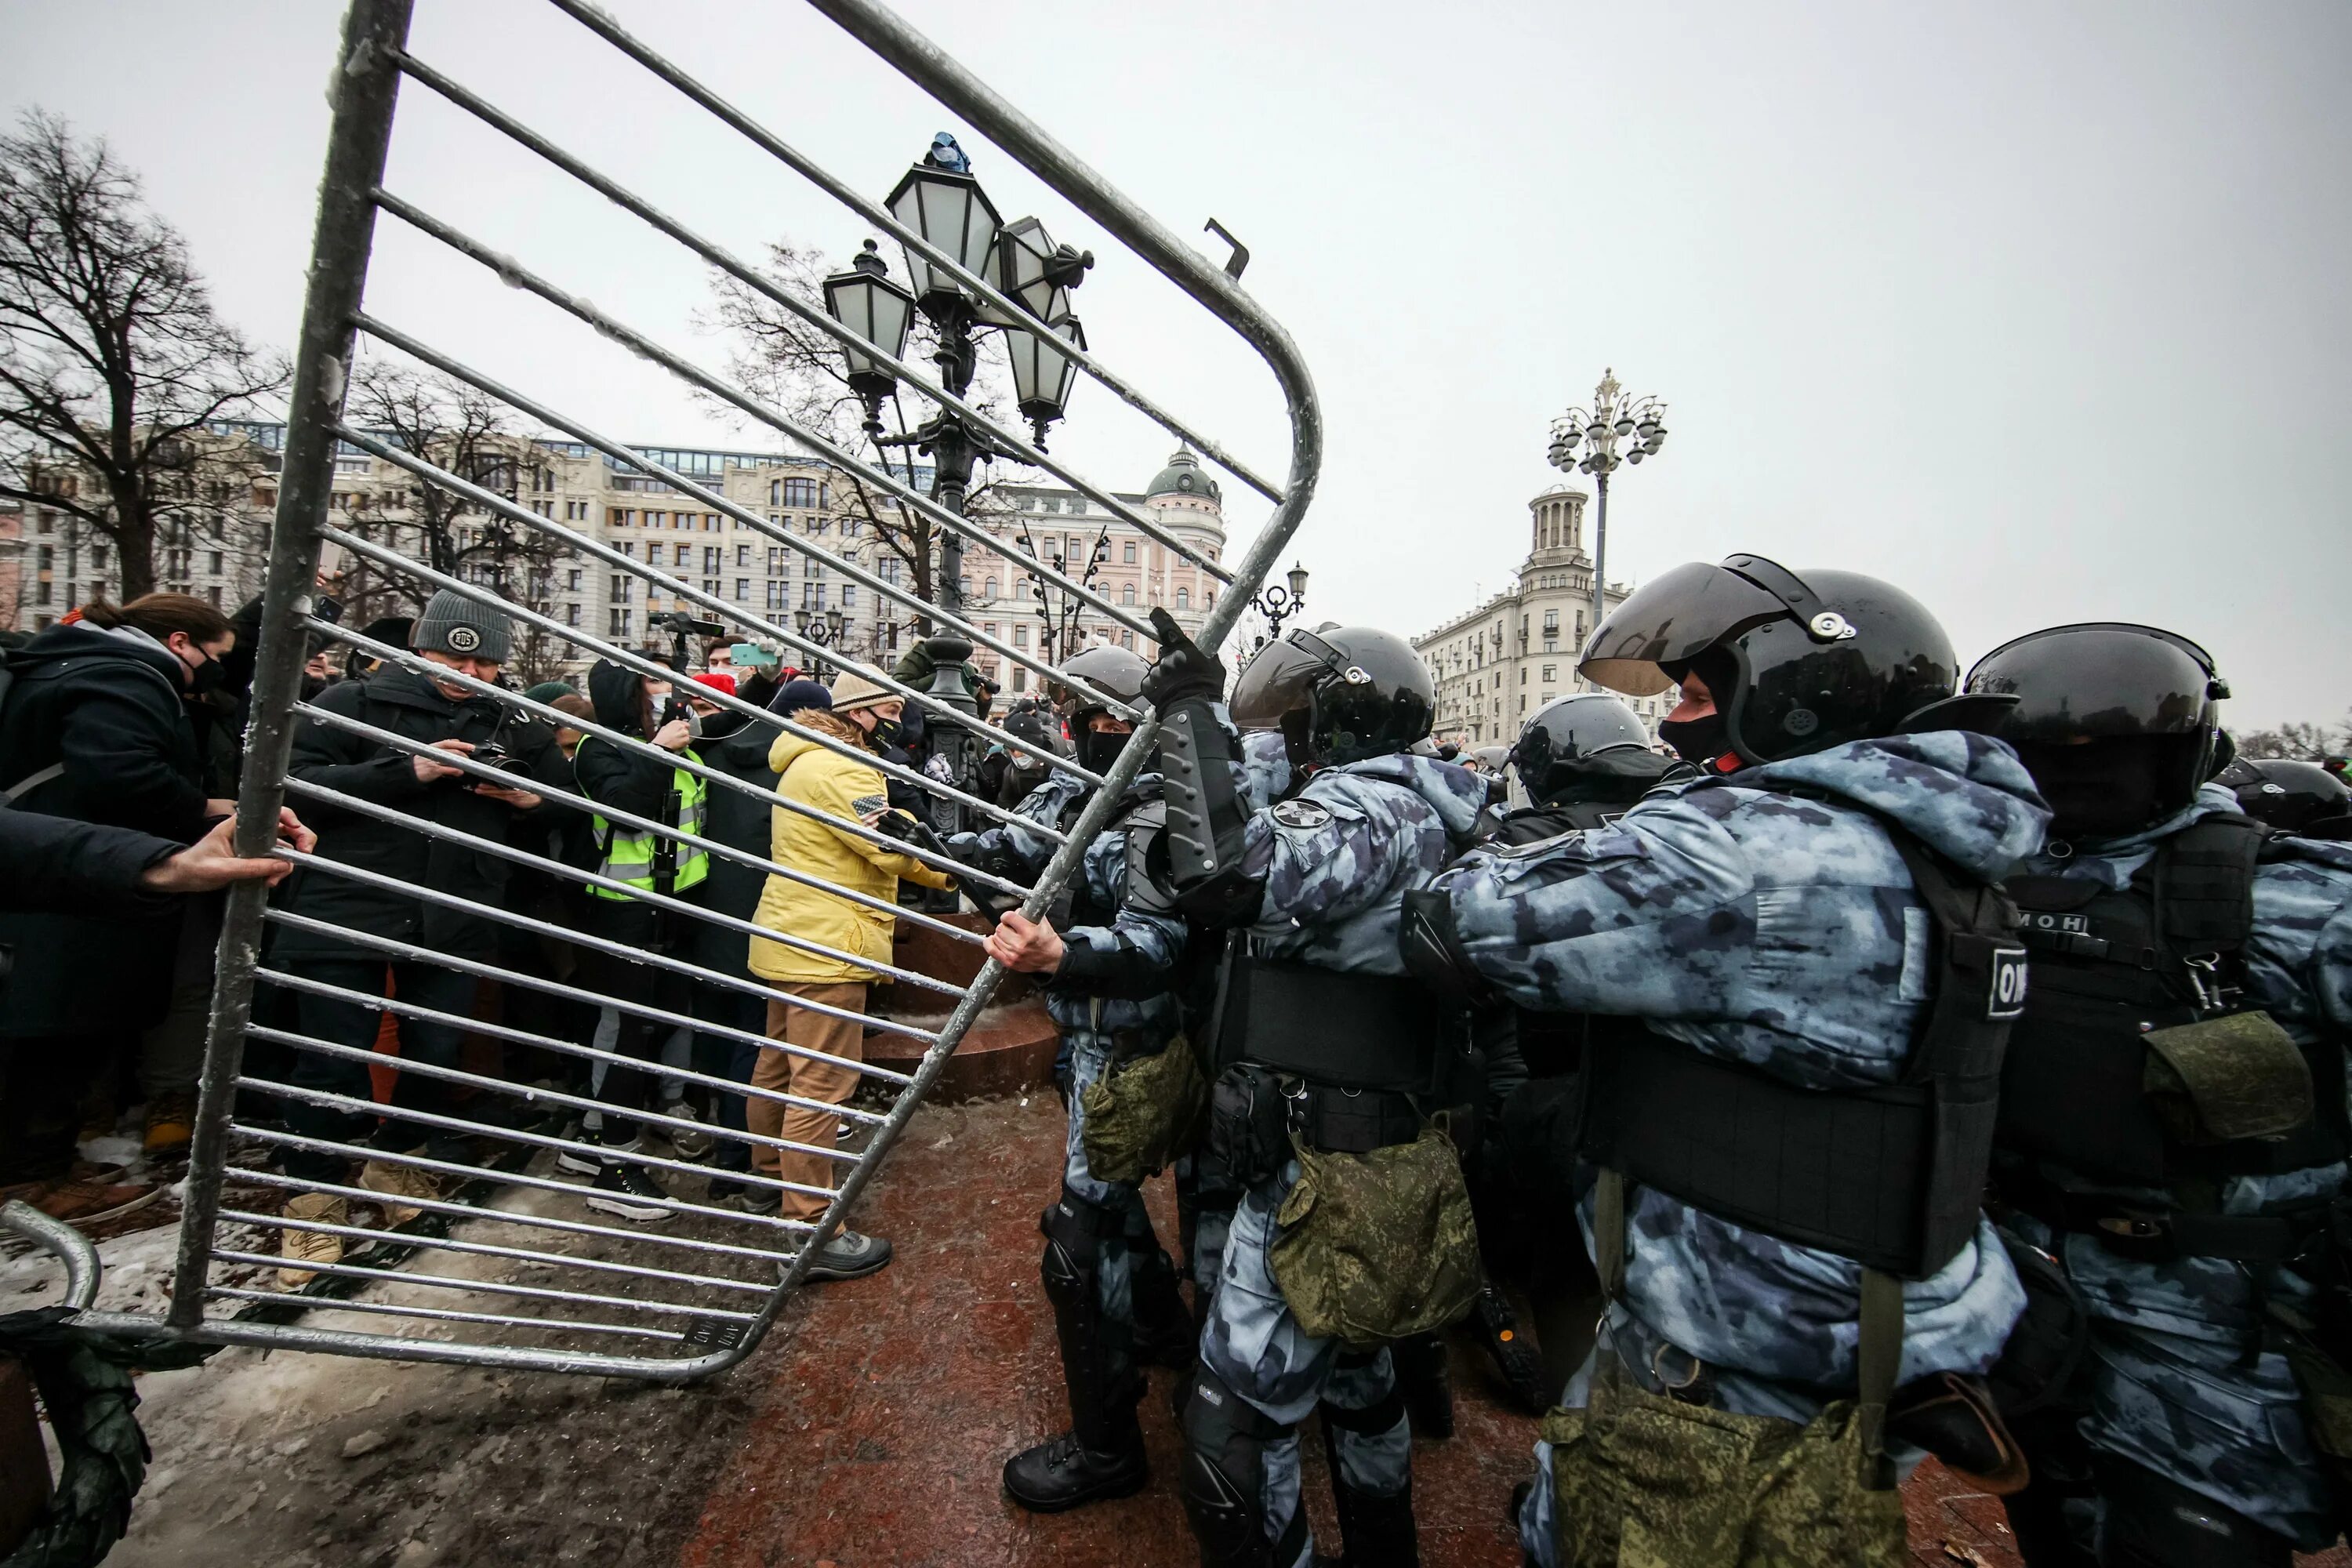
799	372
112	363
2297	740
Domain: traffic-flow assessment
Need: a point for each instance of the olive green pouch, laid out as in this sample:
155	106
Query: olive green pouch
2226	1078
1639	1480
1372	1247
1143	1113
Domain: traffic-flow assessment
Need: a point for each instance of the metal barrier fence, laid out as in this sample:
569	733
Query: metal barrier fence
499	1264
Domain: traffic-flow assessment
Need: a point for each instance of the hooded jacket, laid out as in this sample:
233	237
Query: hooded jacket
105	704
1765	917
404	703
842	787
737	745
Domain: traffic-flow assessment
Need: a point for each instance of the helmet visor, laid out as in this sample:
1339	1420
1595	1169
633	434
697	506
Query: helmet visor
2099	681
1281	679
1672	619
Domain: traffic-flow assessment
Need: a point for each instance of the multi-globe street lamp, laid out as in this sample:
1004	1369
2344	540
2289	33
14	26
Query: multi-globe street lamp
1614	417
824	630
1278	603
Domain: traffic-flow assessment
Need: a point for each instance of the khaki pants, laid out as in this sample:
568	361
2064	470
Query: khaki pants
844	1038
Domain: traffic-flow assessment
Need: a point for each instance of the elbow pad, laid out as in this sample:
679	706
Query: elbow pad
1432	951
1205	817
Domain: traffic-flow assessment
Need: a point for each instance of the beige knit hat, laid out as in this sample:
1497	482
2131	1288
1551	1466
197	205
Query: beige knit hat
854	691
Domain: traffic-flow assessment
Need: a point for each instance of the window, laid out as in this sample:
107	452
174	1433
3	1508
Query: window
712	557
1183	598
571	615
1049	504
819	524
629	548
988	590
621	587
213	594
1550	673
714	586
777	565
1127	553
795	492
1020	676
1126	595
1523	675
742	555
775	494
98	557
1127	638
742	589
848	528
849	595
1020	638
710	522
216	566
776	595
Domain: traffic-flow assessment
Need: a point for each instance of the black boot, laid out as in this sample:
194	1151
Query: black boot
1375	1531
1422	1378
1165	1335
1102	1453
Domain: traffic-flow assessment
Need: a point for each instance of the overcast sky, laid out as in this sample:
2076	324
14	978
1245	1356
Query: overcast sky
2040	310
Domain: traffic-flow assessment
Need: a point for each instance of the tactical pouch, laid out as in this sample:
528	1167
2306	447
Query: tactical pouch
1638	1477
1143	1113
1371	1248
2038	1363
2225	1078
1249	1129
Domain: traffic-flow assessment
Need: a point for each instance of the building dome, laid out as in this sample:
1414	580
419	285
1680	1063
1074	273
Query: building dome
1183	476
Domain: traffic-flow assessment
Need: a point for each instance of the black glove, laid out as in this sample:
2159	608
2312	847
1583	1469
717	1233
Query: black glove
1182	671
898	825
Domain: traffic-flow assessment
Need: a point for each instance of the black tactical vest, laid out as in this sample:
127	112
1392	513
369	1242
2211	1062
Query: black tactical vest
2136	1054
1892	1176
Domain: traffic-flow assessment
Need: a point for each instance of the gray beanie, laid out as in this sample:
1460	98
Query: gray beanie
453	624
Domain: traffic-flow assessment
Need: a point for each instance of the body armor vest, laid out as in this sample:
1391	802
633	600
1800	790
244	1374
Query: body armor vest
1892	1176
2134	1063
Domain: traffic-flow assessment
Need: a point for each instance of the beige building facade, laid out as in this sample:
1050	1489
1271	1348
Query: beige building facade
1498	664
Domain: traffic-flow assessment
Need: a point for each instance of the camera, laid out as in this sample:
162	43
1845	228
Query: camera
490	754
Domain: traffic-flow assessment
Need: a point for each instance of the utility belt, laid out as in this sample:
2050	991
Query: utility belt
1348	1030
2152	1234
1256	1113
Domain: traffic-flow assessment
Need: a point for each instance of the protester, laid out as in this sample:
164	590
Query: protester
864	718
469	640
649	711
96	729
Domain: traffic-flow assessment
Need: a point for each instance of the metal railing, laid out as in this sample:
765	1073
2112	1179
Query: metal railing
494	1258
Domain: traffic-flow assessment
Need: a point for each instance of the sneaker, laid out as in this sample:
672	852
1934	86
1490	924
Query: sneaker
396	1181
845	1131
585	1161
306	1251
690	1143
849	1254
81	1202
630	1190
170	1124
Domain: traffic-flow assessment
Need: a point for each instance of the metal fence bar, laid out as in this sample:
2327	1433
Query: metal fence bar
357	141
491	1250
408	658
726	261
515	275
596	20
488	1286
569	1048
450	1314
554	1096
392	561
620	452
500	1216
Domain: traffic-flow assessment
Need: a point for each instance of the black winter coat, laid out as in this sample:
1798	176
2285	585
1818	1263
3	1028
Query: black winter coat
610	775
739	821
107	705
406	705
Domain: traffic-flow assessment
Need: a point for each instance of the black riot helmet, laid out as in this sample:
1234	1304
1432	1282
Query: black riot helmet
2116	722
1797	662
1576	738
1339	694
2284	793
1113	671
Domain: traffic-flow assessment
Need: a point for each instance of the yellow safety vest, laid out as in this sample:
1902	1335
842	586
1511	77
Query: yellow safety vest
629	853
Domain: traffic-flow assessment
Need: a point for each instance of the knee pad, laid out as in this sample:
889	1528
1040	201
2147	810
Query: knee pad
1222	1481
2153	1521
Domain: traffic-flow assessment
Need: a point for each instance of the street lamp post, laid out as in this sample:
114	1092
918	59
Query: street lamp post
1278	603
825	631
1614	416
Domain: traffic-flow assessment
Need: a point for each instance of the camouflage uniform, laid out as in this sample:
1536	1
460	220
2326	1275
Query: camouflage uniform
2177	1380
1778	929
1335	873
1086	1020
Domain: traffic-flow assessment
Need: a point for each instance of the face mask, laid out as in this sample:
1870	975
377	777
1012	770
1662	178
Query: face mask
206	679
1099	749
1699	741
887	732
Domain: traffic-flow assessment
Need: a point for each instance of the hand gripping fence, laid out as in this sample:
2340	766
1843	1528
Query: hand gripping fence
495	1259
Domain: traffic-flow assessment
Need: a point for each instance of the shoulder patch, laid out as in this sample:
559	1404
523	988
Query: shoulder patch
868	804
1302	813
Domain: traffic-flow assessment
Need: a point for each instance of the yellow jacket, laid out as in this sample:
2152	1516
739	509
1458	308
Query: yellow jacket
849	790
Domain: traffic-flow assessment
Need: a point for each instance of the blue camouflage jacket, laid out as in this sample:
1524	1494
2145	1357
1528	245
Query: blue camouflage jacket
1779	930
1338	857
2298	969
1081	1011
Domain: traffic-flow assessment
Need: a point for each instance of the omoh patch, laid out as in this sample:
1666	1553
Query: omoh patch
1302	813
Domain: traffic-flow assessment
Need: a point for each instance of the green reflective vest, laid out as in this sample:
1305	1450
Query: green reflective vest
655	861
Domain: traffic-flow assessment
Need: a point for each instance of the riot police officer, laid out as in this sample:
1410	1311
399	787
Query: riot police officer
1788	1155
1108	959
2290	797
2173	1114
1321	1045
